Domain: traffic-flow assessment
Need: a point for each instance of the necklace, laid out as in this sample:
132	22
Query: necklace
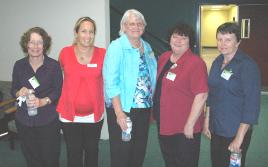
136	44
140	46
83	57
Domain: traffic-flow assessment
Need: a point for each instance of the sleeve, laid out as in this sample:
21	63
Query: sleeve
199	77
56	84
111	70
15	86
212	69
251	84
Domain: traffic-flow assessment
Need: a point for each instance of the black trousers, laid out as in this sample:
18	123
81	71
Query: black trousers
82	142
220	155
40	145
132	153
178	151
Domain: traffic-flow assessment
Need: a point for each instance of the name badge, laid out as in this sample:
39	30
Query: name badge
226	74
92	65
171	76
34	82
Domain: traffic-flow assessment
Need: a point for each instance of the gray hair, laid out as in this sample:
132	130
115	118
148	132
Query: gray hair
125	18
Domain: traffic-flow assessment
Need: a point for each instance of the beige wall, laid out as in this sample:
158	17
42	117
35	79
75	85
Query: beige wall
211	19
210	22
233	13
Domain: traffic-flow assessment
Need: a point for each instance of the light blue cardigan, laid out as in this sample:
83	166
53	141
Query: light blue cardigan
121	68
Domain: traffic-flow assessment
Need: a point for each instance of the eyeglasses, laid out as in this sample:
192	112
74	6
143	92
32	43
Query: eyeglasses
132	25
35	43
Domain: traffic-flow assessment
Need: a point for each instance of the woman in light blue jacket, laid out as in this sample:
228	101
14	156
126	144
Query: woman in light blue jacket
129	73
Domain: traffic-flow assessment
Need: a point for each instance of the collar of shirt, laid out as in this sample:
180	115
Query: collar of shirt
237	57
45	63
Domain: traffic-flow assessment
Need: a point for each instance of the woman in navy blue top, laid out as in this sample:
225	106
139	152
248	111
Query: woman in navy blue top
234	98
39	134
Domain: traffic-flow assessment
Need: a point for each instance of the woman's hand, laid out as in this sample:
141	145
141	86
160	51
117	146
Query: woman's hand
206	130
120	115
196	110
235	145
238	140
22	92
188	131
32	100
121	120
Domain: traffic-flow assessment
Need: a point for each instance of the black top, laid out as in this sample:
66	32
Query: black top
158	89
49	76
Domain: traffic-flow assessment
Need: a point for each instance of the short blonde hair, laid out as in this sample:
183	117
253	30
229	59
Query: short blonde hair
125	18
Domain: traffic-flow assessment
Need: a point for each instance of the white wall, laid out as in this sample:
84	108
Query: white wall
57	17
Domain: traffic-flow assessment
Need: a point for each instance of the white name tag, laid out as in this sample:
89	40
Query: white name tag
226	74
171	76
34	82
92	65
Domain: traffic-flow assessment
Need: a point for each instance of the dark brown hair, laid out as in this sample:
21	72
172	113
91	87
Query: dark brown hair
230	28
184	30
25	38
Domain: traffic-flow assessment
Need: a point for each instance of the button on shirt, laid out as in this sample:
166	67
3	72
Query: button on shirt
49	76
233	99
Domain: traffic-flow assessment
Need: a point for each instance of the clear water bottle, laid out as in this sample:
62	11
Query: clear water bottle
235	159
32	109
126	135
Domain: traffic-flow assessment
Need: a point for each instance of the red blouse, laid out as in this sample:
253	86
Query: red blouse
82	91
177	96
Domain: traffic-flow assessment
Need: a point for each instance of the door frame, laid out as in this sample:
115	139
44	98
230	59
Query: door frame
198	21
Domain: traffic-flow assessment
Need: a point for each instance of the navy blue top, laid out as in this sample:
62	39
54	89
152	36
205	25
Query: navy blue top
49	76
236	100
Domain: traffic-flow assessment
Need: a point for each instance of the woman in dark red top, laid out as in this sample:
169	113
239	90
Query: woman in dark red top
81	105
179	99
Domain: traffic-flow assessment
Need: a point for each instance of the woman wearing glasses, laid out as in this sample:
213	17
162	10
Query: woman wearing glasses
40	133
129	79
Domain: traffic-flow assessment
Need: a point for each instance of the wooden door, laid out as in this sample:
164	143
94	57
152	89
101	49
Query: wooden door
256	45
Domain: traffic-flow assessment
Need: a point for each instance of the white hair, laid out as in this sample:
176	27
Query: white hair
125	18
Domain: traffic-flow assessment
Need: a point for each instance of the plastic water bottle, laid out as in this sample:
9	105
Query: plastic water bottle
126	135
32	109
235	159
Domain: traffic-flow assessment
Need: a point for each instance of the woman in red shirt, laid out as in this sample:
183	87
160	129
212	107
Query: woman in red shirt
81	105
179	99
